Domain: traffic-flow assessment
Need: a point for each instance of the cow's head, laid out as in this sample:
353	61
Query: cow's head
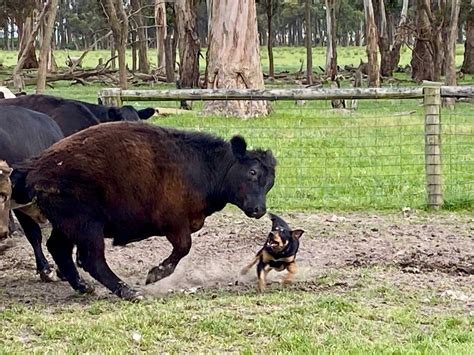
250	178
128	113
5	194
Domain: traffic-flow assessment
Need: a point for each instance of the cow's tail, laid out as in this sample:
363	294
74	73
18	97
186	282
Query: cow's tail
21	193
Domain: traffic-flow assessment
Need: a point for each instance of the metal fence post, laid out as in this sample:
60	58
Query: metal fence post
433	161
110	97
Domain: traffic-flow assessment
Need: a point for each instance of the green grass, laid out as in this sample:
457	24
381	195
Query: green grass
280	321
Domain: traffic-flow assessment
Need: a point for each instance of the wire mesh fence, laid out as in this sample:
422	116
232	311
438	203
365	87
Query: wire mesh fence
369	158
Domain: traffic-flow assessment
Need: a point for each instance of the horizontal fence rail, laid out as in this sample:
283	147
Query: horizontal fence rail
398	147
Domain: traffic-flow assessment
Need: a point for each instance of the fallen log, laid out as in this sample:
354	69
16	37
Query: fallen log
73	76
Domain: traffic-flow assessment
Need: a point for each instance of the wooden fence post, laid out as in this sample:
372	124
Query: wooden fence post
433	161
111	97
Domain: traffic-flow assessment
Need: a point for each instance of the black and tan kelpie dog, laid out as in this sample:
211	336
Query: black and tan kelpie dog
278	253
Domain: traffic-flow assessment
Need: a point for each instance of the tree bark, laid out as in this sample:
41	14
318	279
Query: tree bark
118	21
45	52
371	38
143	64
428	53
383	40
161	33
234	56
309	44
331	52
468	63
188	44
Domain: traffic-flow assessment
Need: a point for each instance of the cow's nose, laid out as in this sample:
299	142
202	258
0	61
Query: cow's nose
259	211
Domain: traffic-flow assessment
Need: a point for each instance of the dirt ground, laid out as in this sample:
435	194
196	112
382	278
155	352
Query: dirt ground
409	251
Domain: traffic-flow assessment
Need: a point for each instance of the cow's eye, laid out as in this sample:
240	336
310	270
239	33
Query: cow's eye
253	172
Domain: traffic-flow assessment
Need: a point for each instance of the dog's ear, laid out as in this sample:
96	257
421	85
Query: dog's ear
297	233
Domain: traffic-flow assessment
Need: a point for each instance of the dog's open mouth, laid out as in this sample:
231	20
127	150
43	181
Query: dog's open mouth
272	244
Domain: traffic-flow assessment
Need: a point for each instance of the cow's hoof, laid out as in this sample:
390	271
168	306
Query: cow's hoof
60	275
129	294
156	274
48	275
84	287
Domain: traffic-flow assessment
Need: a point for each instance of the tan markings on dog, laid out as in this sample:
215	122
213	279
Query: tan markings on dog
292	269
262	281
266	258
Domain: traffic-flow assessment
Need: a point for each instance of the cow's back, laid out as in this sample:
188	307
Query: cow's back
122	171
25	133
70	115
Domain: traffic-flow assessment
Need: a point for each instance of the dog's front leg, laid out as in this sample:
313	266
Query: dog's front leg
291	273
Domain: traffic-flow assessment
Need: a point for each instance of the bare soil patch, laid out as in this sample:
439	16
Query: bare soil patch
410	251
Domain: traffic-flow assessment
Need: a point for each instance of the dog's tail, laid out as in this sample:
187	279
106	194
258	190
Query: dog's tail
249	266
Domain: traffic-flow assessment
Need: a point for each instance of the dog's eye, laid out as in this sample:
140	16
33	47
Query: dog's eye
253	172
3	197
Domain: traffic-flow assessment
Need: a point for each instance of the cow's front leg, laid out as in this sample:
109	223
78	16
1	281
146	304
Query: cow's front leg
181	242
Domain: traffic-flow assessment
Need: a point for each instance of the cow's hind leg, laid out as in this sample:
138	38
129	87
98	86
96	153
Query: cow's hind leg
60	247
181	241
33	234
91	249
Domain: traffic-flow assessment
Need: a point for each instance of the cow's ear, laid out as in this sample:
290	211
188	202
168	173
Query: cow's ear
297	233
146	113
239	146
114	114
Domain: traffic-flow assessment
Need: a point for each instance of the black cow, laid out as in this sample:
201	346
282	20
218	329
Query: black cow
130	181
25	134
73	115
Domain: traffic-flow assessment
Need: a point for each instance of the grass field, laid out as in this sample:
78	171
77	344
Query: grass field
280	322
370	160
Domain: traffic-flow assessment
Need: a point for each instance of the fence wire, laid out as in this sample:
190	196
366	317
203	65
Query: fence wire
369	158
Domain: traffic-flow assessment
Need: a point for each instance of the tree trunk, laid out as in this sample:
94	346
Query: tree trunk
133	34
468	63
113	52
400	37
371	35
234	56
46	45
450	78
119	23
27	45
170	50
271	66
6	43
161	33
427	55
309	44
331	53
143	65
188	44
383	40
